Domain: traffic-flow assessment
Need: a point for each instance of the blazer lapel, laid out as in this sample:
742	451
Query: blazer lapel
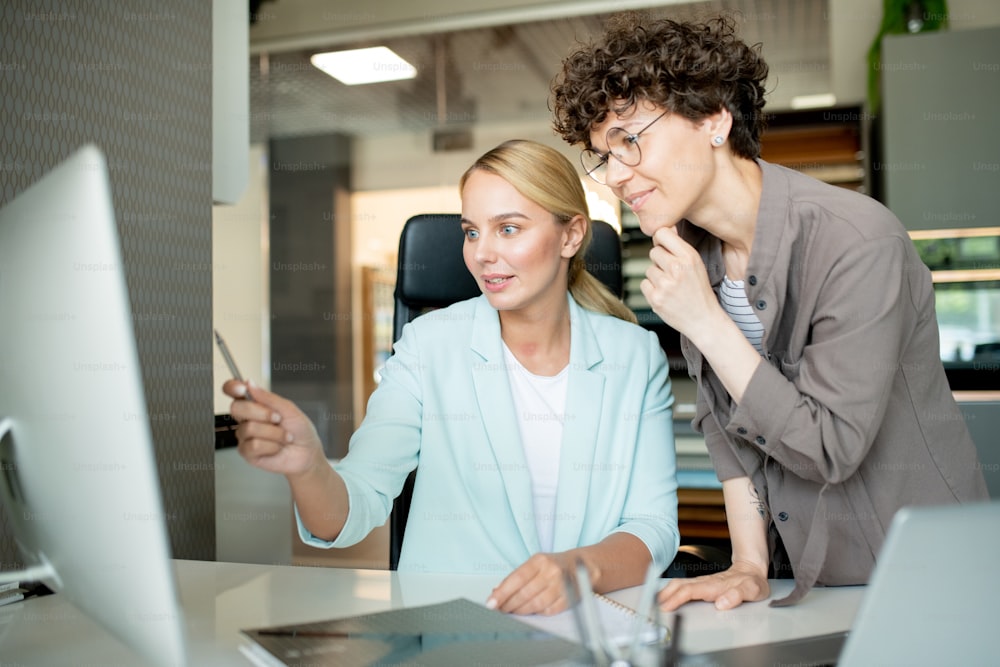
496	405
584	398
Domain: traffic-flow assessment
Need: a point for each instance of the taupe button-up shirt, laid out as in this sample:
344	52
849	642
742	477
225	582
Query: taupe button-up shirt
851	403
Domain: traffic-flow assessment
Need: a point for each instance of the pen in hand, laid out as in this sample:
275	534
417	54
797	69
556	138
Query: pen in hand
224	349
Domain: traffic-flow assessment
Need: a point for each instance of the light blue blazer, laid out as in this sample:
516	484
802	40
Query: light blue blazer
444	402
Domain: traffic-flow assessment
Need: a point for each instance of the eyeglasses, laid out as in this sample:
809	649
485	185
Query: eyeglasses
623	145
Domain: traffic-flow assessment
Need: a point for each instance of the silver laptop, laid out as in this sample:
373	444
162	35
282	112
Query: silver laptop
932	600
933	597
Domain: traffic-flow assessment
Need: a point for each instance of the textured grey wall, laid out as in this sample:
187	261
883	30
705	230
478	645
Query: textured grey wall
134	78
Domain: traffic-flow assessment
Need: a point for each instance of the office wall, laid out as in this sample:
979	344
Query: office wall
387	161
135	78
940	94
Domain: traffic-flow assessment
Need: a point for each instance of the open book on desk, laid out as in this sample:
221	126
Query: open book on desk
458	632
455	633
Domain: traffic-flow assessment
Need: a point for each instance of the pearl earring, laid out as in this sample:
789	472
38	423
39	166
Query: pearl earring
718	139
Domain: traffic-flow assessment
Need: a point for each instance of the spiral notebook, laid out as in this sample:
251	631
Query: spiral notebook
617	620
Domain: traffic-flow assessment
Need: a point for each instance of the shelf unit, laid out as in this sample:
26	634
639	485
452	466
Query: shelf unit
377	285
827	144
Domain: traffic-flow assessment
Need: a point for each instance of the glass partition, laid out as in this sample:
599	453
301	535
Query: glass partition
965	266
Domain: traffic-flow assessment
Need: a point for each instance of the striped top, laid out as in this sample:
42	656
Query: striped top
733	297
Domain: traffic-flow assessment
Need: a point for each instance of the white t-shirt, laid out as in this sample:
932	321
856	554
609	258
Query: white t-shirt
540	403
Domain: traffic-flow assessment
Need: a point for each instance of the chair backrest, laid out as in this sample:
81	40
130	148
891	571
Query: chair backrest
431	273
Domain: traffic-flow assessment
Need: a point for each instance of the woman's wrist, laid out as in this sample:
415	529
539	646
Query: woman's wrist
314	471
711	331
750	566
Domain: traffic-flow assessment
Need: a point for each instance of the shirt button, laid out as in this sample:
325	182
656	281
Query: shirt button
752	280
760	440
761	305
741	430
782	516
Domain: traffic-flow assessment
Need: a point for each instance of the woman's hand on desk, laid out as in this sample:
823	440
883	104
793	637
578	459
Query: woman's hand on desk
274	435
742	582
536	587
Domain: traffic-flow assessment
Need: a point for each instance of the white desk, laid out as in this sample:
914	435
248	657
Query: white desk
221	598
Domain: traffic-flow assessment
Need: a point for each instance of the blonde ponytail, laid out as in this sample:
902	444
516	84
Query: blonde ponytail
594	295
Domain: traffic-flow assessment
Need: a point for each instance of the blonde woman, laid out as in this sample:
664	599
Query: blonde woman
539	412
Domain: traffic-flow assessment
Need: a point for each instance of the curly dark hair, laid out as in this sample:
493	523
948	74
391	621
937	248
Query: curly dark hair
691	69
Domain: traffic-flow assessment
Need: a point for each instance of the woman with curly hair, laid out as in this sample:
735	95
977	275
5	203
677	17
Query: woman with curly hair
806	317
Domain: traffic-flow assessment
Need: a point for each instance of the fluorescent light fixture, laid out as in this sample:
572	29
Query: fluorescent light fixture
359	66
813	101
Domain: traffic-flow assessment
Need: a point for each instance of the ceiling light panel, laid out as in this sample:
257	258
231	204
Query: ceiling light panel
361	66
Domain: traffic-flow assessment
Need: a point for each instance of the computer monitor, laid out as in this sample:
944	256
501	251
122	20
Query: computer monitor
78	477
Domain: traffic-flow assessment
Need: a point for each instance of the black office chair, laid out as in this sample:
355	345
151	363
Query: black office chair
431	273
